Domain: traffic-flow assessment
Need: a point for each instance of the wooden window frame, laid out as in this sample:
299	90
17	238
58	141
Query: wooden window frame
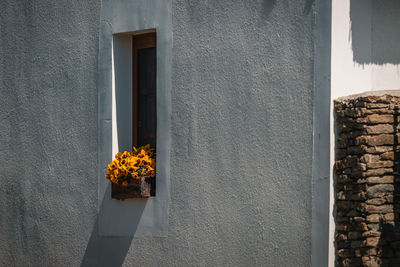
141	41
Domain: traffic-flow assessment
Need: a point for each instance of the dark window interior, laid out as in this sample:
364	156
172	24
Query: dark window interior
147	96
144	89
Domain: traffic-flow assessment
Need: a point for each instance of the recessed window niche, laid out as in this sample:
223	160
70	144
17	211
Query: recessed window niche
120	23
134	102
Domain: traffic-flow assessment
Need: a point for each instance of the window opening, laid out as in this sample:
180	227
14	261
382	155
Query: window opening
144	90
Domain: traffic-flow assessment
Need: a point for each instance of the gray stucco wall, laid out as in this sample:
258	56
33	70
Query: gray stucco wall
242	132
241	154
48	132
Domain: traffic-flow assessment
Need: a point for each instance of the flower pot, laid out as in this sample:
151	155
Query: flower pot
140	188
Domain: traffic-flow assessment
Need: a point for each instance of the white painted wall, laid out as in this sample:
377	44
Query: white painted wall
364	52
365	56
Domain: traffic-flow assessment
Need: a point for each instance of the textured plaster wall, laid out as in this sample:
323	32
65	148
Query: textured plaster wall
48	131
241	132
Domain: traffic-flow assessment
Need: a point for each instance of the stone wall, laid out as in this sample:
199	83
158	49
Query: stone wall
366	188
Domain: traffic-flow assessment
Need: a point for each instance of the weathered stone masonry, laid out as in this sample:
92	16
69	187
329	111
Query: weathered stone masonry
367	181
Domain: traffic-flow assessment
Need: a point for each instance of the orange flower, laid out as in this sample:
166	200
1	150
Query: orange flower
132	165
137	162
113	165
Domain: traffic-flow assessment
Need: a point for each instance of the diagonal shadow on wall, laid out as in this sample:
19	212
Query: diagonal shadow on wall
110	250
374	31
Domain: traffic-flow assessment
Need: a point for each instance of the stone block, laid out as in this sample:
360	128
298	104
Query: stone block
380	180
366	111
373	227
375	190
373	241
390	217
380	164
378	129
376	106
372	261
387	156
376	201
376	140
359	167
373	218
378	172
371	234
357	219
367	158
371	209
379	119
376	149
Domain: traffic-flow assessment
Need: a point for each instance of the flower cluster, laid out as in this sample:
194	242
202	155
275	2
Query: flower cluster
128	166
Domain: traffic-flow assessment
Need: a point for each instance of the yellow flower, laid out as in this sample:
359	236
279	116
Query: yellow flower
125	155
146	147
136	162
113	165
131	170
150	168
128	165
124	171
